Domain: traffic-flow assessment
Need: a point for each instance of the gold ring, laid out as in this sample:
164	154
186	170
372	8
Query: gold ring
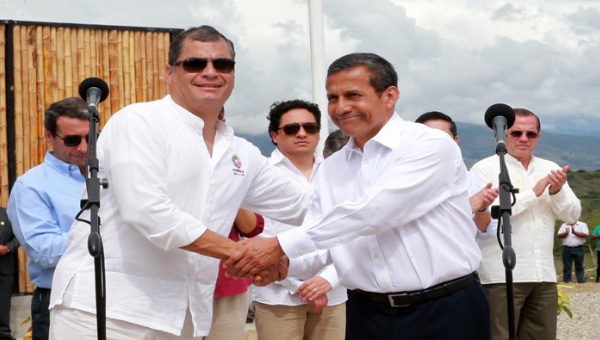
315	289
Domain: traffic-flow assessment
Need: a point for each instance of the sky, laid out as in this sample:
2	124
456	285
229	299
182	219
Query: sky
458	56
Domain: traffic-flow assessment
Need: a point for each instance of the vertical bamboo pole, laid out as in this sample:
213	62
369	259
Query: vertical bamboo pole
18	94
148	65
140	79
105	74
60	63
115	74
163	52
128	68
3	127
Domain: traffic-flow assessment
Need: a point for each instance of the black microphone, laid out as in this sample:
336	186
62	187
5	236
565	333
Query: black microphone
500	117
93	90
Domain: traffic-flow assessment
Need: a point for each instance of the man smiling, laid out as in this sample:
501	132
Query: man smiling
392	208
544	196
177	176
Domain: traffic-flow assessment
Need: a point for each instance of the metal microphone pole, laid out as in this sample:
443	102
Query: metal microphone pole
95	247
93	183
502	213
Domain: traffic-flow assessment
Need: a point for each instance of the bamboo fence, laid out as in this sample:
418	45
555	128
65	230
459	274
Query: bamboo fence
3	134
50	62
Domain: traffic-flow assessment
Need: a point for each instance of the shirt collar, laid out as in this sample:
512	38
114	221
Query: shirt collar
512	160
196	122
60	165
388	136
278	157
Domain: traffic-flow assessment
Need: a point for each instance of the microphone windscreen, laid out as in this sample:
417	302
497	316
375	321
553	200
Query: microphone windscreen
93	82
500	110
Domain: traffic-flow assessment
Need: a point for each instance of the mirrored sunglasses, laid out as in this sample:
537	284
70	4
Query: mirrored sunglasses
293	128
528	134
194	65
72	140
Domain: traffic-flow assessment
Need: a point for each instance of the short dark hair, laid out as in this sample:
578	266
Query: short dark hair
201	33
524	113
383	74
278	109
334	142
73	107
436	115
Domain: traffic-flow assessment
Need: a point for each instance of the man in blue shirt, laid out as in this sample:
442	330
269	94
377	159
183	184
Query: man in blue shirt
44	201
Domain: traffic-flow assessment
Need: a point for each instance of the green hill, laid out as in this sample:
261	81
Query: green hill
579	152
478	142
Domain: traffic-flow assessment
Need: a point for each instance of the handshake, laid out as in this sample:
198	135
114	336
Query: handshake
259	259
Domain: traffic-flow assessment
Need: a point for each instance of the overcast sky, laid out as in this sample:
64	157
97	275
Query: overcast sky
458	56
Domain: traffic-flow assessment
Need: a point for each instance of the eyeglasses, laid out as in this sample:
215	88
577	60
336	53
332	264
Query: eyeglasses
194	65
293	128
528	134
72	140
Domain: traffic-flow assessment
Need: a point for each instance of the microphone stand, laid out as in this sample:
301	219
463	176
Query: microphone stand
502	213
95	247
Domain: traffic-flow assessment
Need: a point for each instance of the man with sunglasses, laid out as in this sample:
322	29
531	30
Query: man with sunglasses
177	177
280	310
544	196
44	201
393	210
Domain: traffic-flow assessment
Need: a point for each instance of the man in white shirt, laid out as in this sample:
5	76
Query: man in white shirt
479	198
281	313
177	176
573	237
544	196
393	210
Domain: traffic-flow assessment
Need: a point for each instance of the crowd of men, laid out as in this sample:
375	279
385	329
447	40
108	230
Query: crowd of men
390	237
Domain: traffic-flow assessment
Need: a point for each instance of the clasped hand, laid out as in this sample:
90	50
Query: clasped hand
260	259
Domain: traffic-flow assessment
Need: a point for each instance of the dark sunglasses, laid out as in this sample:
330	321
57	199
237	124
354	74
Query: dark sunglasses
194	65
293	128
72	140
529	134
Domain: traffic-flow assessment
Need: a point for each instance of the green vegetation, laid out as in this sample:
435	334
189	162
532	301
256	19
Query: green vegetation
586	186
564	301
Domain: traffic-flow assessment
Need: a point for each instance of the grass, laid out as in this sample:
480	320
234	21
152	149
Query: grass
586	186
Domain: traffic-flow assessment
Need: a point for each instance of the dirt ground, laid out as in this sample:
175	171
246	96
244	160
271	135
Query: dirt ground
591	287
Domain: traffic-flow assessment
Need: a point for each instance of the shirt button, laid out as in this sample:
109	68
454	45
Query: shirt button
301	252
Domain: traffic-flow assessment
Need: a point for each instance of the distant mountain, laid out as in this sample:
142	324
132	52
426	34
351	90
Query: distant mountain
478	142
579	152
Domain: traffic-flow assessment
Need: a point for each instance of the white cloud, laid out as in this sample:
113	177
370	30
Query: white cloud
453	56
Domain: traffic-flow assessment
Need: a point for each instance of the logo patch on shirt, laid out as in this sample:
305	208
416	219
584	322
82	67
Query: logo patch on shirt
237	163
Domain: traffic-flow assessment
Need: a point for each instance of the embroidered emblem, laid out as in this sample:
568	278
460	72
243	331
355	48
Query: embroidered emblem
237	163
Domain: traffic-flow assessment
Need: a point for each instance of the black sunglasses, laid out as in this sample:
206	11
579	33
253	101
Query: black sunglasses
529	134
194	65
293	128
72	140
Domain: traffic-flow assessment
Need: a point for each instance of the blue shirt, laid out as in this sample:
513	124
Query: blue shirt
42	206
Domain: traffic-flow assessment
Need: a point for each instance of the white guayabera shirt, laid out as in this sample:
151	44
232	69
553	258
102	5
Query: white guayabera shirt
532	221
395	216
164	192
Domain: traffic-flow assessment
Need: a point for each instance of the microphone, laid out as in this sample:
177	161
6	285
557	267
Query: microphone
93	90
500	117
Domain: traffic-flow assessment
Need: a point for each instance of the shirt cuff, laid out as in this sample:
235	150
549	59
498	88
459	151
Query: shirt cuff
177	237
330	274
295	242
